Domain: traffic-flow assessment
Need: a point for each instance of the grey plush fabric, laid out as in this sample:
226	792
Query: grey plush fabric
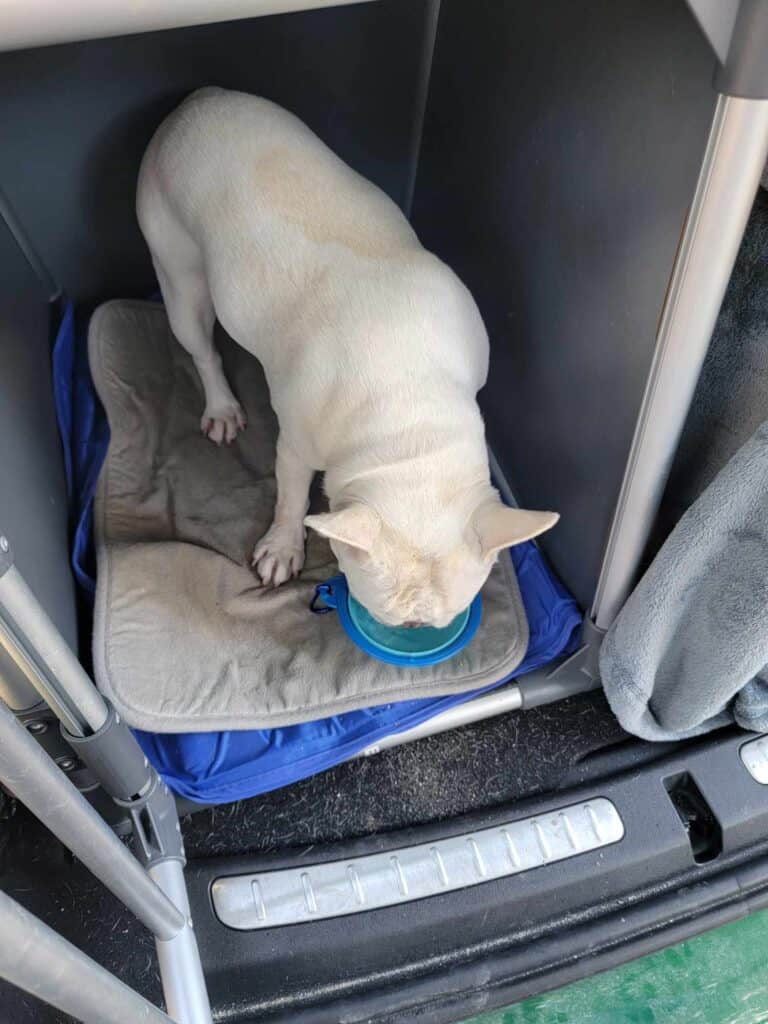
689	650
184	639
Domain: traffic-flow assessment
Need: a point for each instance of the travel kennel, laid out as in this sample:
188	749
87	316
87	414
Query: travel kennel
550	153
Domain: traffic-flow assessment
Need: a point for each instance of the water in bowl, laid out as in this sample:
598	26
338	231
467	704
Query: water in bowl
421	641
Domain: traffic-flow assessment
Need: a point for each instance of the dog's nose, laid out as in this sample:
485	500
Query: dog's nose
413	624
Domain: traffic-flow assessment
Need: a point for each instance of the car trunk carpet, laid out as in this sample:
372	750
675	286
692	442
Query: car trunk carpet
483	765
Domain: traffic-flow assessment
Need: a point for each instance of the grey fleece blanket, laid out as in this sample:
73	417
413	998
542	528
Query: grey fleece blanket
689	650
184	639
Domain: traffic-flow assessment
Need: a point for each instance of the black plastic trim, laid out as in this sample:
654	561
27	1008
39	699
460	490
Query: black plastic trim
450	956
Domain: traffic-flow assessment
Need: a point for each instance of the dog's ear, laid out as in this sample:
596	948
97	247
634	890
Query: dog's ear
497	526
356	525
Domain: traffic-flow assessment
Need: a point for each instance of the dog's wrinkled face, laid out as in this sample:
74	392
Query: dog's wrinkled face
401	585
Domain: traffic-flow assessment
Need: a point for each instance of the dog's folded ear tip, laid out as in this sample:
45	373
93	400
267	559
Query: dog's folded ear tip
499	526
357	525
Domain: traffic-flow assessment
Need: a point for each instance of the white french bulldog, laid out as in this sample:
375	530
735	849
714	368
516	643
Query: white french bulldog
373	350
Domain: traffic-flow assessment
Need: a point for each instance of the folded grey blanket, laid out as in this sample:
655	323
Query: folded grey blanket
689	650
184	638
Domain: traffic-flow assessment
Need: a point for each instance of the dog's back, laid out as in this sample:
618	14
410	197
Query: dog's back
261	194
309	266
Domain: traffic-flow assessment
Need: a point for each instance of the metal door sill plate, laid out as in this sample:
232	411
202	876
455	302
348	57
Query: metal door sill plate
299	895
754	756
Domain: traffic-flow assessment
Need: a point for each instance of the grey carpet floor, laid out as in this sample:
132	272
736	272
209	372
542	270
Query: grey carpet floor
479	766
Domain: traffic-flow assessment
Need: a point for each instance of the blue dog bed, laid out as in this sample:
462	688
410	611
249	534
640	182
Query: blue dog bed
219	767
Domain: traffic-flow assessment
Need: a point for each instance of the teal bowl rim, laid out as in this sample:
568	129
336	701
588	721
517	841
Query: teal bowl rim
334	594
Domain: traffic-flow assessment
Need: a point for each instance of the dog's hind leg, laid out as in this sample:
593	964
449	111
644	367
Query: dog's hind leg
180	268
192	317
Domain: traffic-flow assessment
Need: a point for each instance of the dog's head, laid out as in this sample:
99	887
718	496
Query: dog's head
402	583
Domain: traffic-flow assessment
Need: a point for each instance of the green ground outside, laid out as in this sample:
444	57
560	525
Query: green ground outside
717	978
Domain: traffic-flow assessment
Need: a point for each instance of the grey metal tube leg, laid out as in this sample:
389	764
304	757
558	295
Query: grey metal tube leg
36	959
153	889
186	996
733	162
488	705
116	760
32	777
41	652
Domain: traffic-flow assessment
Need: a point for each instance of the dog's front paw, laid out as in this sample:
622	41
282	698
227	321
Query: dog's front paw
222	423
279	556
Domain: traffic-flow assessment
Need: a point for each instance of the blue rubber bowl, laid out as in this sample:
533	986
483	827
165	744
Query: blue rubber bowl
397	645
